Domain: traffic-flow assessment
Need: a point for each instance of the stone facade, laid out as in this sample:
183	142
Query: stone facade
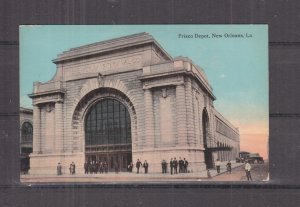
168	100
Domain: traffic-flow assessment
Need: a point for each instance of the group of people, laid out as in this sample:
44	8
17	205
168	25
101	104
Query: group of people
72	168
218	166
176	167
93	167
228	167
138	165
179	166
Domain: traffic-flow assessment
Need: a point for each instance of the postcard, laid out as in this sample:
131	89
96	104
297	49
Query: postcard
143	103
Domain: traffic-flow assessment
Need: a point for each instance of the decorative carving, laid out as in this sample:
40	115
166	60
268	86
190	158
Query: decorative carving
100	80
49	107
164	92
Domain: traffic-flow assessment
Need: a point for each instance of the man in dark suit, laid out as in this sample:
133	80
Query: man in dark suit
146	165
138	165
164	166
180	163
59	169
175	165
171	166
185	165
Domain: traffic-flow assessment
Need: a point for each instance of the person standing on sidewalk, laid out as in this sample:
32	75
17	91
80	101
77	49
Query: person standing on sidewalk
86	168
164	166
180	163
171	166
228	165
175	165
138	165
59	167
73	167
70	168
248	171
218	165
146	165
185	165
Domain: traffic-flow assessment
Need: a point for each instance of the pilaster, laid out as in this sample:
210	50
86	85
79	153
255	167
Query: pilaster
189	112
181	115
149	119
59	127
36	130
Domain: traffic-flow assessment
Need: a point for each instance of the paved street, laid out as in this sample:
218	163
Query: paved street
259	173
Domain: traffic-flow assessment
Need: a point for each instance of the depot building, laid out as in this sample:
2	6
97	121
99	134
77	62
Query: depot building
125	99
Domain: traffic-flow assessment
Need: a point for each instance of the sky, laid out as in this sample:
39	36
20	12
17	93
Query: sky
236	67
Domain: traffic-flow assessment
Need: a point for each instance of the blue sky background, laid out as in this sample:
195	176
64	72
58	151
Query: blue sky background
237	68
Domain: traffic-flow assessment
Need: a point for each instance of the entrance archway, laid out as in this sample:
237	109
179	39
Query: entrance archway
108	134
207	151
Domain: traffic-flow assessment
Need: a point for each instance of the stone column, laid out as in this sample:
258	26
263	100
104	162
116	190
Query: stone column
197	121
149	119
36	143
189	111
181	115
59	127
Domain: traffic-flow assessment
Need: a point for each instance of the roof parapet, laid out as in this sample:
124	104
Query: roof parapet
108	46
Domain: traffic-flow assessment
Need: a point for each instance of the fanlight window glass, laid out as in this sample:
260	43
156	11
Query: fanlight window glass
108	122
26	132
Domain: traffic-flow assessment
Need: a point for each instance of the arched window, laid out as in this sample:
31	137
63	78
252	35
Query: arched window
107	123
26	132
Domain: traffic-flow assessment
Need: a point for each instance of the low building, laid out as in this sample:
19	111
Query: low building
125	99
26	135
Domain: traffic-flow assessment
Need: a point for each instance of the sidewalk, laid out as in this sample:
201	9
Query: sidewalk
124	177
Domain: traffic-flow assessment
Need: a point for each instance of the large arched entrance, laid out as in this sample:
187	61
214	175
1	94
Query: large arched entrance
207	151
108	134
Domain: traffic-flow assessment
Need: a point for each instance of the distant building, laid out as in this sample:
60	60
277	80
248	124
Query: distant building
26	134
125	99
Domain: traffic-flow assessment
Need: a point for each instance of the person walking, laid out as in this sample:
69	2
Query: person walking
145	166
218	166
248	171
138	165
